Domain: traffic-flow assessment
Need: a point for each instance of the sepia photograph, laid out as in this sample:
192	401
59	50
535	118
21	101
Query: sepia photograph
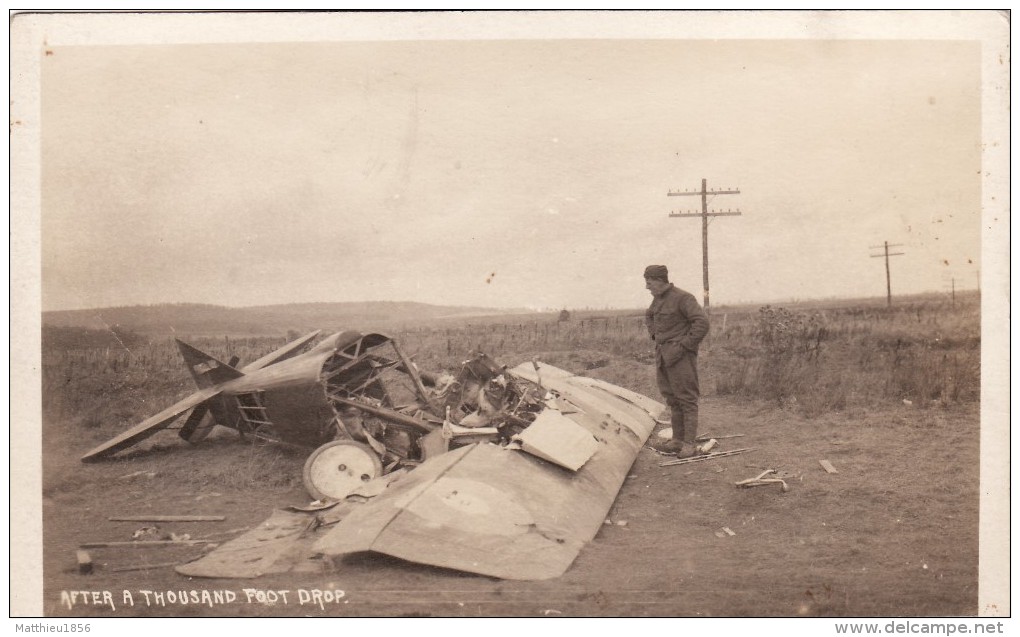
548	314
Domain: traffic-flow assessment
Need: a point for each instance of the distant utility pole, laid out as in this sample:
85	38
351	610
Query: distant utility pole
952	288
704	214
888	283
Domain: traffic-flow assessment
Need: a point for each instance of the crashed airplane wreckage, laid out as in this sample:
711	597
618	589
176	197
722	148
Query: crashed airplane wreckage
501	472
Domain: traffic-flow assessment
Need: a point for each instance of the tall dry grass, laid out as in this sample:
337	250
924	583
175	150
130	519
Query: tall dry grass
925	353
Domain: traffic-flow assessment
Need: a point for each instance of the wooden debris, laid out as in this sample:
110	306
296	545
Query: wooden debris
704	437
761	480
711	456
720	534
827	466
142	567
759	483
727	531
84	562
147	474
167	518
143	544
708	446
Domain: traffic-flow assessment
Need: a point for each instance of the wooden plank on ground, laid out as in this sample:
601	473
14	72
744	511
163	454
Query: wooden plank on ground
827	466
142	567
167	518
143	544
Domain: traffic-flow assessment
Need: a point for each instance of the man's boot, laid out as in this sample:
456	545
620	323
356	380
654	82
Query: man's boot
672	446
676	444
688	432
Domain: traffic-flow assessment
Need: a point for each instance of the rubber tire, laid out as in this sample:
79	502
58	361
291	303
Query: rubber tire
314	468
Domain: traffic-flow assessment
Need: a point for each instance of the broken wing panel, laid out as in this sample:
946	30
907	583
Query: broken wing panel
500	512
150	425
272	547
633	410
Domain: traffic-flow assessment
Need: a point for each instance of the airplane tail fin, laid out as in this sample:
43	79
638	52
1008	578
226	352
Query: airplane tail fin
206	370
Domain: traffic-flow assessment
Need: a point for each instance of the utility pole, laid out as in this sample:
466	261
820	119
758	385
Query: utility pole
704	214
888	283
952	287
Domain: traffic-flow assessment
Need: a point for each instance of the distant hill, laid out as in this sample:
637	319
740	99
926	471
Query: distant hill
202	319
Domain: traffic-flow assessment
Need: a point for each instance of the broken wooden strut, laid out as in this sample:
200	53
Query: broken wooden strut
710	456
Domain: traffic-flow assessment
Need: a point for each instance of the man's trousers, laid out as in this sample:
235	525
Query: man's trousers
678	384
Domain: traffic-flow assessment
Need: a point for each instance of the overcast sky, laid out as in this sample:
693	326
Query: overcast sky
506	173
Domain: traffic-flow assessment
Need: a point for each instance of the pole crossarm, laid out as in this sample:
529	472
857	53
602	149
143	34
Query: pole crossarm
704	214
687	193
735	213
885	253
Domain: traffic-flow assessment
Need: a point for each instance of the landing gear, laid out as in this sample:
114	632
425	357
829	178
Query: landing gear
264	435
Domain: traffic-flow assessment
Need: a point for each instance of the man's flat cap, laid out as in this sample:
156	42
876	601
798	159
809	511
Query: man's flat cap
656	272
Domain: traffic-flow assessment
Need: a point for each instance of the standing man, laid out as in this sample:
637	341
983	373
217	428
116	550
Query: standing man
677	324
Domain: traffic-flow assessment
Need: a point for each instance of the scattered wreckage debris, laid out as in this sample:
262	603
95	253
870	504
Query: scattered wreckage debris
709	456
497	471
761	480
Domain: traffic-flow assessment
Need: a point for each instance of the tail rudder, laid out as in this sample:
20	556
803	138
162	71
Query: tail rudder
206	370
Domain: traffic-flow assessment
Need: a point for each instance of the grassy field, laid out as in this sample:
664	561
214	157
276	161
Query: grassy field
889	395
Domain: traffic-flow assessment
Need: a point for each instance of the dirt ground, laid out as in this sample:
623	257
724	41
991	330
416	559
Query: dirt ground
893	533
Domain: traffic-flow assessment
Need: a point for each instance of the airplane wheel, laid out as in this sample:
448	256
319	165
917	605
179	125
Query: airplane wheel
337	468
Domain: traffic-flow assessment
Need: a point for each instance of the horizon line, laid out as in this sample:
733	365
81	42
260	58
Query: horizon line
509	309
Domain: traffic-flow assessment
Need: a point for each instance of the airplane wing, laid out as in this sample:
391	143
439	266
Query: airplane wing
502	512
285	352
150	425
